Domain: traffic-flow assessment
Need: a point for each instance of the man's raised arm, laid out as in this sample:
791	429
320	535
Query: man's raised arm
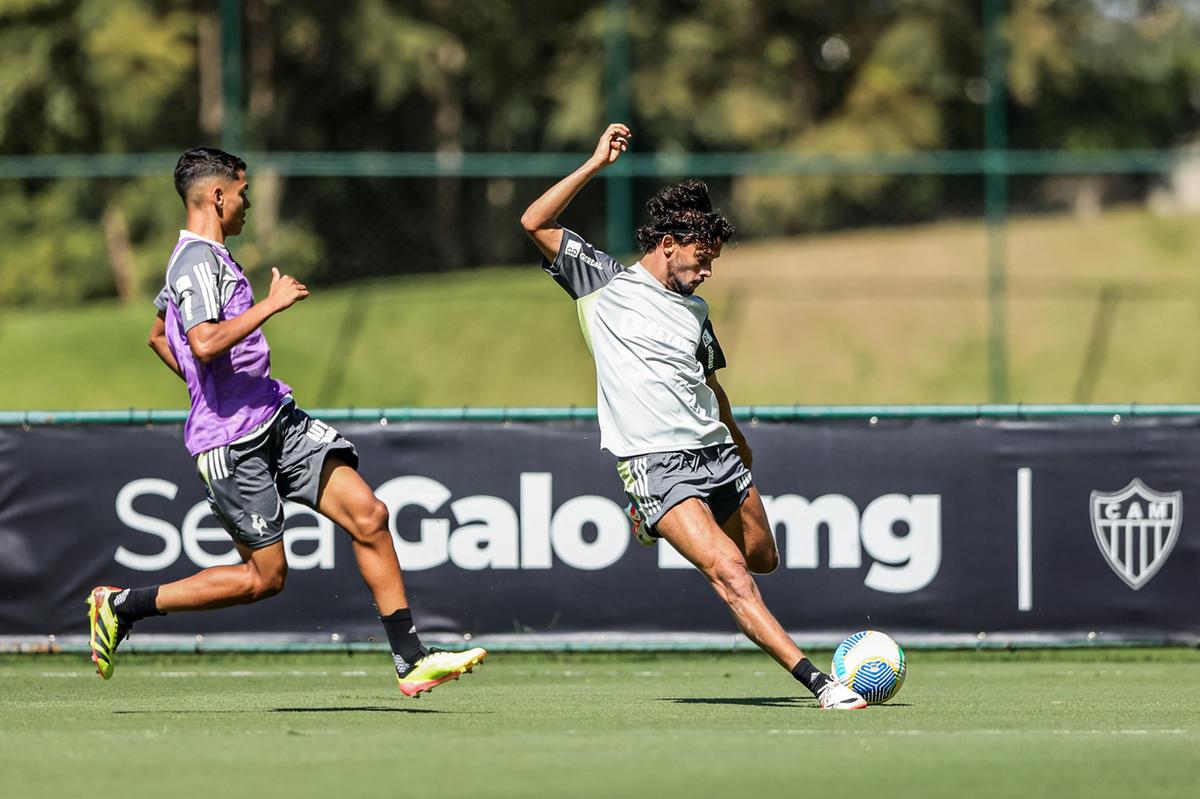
540	219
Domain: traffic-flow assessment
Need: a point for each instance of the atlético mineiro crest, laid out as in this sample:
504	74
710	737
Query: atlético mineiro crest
1136	529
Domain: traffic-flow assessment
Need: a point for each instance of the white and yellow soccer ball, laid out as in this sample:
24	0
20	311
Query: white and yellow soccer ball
870	663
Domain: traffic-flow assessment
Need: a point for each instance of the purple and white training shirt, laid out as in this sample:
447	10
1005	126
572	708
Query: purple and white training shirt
233	394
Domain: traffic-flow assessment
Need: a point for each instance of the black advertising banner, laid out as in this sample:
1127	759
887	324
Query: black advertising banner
1053	526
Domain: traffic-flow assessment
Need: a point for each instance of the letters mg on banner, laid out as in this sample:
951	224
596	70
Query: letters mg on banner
914	525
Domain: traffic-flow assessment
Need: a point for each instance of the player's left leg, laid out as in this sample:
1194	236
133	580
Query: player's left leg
346	499
749	529
691	528
318	467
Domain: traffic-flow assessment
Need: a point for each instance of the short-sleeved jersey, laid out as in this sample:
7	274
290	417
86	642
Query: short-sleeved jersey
234	393
653	350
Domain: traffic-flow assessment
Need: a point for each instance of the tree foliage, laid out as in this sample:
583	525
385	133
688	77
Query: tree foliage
893	76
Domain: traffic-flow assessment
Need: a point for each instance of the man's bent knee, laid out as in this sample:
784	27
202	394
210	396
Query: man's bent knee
763	561
271	584
259	585
732	580
370	522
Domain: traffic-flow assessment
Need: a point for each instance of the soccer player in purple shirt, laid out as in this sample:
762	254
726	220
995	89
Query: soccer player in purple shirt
253	447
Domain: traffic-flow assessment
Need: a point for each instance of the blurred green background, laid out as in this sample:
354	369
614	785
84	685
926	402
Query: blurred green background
937	200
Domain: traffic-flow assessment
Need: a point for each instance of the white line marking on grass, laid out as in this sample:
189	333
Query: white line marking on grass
235	674
847	732
998	733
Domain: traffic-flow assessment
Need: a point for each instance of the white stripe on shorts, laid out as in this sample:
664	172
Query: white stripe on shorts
652	503
639	489
215	465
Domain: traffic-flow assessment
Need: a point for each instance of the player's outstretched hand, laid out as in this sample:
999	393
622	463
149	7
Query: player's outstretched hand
613	142
286	290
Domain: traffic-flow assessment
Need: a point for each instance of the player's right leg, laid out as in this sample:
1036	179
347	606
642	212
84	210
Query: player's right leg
113	611
690	527
241	492
261	575
240	483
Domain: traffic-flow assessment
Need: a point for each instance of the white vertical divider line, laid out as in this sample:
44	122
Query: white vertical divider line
1024	538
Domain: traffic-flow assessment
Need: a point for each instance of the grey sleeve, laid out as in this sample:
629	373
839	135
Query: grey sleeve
579	267
709	353
162	299
194	283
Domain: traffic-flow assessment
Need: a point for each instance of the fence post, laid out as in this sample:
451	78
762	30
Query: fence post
995	189
618	183
231	75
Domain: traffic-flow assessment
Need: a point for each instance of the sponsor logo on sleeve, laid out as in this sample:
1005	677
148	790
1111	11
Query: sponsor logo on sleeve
184	286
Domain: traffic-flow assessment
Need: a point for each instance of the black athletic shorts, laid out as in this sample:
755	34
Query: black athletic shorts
247	481
659	481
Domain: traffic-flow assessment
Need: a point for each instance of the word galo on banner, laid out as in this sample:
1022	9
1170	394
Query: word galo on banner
901	534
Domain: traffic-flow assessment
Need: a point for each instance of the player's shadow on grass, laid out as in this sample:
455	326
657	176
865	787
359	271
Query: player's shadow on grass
760	701
363	709
176	712
745	701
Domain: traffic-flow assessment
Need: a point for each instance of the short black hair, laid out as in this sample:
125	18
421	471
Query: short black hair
685	211
204	162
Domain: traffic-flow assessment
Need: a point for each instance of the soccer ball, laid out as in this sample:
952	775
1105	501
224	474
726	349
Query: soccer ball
872	664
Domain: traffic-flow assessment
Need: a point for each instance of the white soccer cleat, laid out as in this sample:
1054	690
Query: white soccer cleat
835	696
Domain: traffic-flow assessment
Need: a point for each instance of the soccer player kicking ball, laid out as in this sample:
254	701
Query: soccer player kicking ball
253	447
683	460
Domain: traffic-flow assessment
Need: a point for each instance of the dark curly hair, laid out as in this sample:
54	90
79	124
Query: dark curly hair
203	162
685	211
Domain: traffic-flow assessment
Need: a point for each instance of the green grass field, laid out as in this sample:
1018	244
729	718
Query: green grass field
1101	723
1097	311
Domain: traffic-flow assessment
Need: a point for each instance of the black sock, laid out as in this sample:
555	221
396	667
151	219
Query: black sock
402	635
134	604
813	678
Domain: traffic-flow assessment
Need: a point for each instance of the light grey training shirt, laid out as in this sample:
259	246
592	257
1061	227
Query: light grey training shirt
653	349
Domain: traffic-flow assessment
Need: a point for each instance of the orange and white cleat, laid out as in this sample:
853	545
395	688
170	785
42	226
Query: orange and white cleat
438	667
